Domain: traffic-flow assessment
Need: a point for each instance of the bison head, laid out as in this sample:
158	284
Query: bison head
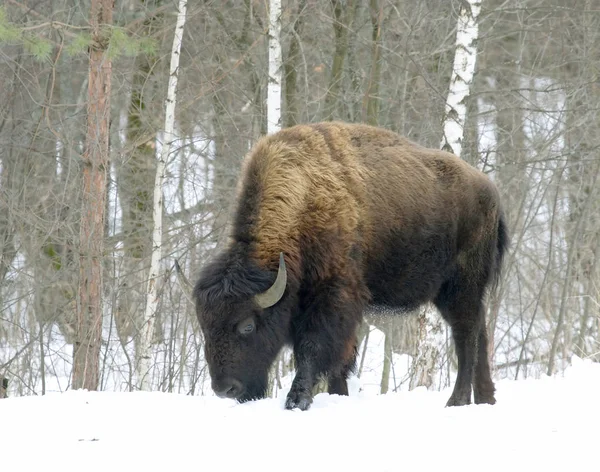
244	323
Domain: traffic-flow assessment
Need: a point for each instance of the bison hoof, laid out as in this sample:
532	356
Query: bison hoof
458	401
490	400
298	400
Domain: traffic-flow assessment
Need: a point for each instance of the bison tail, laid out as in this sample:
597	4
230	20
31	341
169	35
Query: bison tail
502	244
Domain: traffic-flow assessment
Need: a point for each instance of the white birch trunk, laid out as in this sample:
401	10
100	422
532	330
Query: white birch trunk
425	363
275	68
147	331
430	326
462	76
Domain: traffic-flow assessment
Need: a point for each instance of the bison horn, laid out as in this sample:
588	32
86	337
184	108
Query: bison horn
274	293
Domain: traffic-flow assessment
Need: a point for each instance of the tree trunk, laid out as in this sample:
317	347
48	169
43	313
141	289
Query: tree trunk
135	177
371	104
86	356
229	143
581	138
568	277
353	103
461	80
8	251
363	338
290	69
3	387
426	361
147	331
341	18
275	63
387	359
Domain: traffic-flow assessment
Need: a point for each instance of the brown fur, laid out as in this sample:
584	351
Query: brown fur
362	216
312	176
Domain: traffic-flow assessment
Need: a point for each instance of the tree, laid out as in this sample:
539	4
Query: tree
148	325
233	38
372	98
454	126
86	357
461	81
580	275
275	68
135	171
291	65
342	14
3	387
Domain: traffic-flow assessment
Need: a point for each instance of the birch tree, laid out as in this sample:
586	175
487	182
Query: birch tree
461	81
135	172
275	68
274	110
148	325
86	355
291	67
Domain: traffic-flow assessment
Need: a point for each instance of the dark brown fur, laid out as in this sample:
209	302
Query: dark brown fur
363	216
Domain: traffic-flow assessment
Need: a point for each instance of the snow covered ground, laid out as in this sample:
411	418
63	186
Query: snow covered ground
547	424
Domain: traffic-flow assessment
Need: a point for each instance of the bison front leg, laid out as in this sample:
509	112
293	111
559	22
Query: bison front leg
300	395
313	359
325	345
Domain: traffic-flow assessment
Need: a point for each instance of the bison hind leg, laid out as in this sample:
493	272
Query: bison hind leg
338	385
338	381
483	386
461	305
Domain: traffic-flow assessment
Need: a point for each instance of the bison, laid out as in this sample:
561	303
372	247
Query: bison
330	218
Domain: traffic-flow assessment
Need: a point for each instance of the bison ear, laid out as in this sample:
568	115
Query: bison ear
274	293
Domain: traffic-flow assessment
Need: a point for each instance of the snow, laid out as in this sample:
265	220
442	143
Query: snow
543	424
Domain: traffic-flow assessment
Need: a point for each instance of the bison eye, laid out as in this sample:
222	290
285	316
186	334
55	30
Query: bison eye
246	326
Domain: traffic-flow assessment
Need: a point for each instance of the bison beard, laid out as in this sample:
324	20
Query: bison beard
332	217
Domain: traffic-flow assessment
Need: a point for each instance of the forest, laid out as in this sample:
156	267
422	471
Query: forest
123	125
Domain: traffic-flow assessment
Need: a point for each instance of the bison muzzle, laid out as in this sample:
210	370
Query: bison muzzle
332	217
